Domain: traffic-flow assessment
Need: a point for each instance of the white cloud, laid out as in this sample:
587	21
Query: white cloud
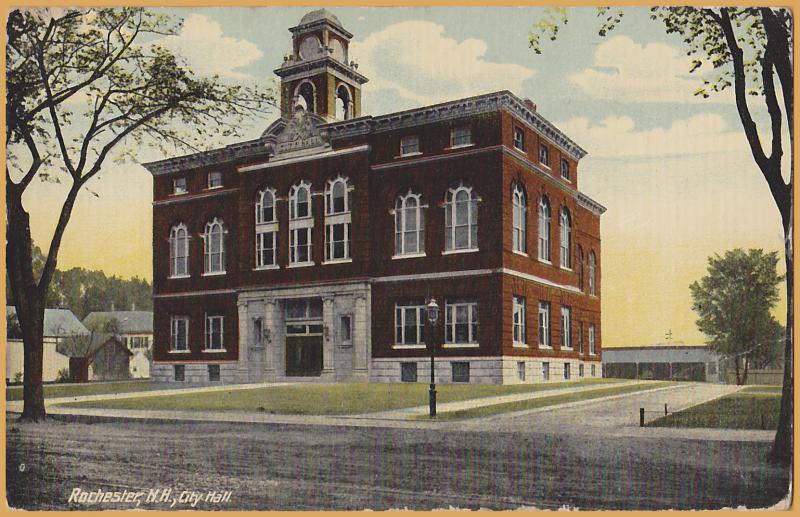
208	51
618	137
625	71
415	59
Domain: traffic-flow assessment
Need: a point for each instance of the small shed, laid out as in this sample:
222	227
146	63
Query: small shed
663	362
105	354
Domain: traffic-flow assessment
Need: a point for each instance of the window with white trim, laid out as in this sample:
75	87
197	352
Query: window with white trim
580	370
580	337
592	267
519	320
266	229
544	229
409	225
338	219
179	334
521	370
544	324
519	138
214	179
544	155
461	219
409	323
566	327
565	225
460	136
593	370
546	371
592	350
461	322
565	173
214	332
580	268
179	186
409	145
301	224
214	247
519	208
566	371
179	251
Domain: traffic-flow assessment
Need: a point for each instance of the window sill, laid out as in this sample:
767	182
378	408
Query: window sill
337	261
456	252
566	179
545	347
544	261
213	350
299	219
214	273
520	253
515	147
175	194
519	345
461	345
544	165
215	188
459	146
565	268
300	264
266	268
177	277
408	256
179	352
567	349
408	155
409	347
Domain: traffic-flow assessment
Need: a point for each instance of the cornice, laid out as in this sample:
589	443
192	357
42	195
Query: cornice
324	62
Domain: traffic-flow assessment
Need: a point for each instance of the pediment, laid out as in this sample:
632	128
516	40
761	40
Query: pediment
298	136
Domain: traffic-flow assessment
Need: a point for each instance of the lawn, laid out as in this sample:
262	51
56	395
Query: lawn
523	405
79	390
738	411
323	399
762	389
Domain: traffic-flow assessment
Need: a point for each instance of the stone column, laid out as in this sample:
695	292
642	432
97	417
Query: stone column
329	331
268	339
244	339
360	336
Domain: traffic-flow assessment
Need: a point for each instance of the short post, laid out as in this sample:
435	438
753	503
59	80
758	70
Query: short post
762	421
665	409
641	417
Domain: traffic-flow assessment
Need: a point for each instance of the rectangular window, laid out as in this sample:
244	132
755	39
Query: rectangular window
300	245
544	154
345	332
592	370
521	370
265	249
544	324
461	322
214	332
519	320
591	339
408	372
179	372
566	371
409	145
566	327
461	135
213	372
546	371
180	333
337	237
580	337
580	370
136	342
460	371
519	138
565	169
179	186
214	179
409	323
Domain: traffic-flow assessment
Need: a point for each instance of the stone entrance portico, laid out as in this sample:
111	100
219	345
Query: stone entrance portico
345	331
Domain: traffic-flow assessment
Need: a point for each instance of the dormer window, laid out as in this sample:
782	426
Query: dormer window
214	180
544	155
519	138
565	169
179	186
409	145
460	136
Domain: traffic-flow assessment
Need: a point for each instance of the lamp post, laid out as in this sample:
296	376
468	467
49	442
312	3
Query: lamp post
433	317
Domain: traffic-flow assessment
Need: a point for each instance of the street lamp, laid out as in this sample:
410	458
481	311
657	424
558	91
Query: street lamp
433	317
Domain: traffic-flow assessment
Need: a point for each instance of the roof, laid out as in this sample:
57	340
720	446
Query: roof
660	354
318	15
88	346
57	322
130	322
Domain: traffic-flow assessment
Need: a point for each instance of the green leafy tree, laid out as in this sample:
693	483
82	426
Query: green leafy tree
134	94
748	48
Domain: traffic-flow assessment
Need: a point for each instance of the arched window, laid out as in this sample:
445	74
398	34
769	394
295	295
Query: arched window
300	224
338	219
461	219
265	206
266	229
305	95
343	103
214	246
592	268
565	225
580	268
544	229
409	225
178	251
519	208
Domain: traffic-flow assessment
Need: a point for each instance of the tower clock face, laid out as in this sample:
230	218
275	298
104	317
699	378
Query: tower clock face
310	47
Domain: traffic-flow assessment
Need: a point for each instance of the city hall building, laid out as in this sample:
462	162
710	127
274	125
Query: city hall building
311	252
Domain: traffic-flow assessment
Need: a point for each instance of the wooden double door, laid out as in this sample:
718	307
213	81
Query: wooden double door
304	356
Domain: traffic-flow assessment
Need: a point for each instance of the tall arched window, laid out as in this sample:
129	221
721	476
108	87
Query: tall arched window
338	219
409	225
519	207
178	251
266	229
461	219
580	268
300	224
565	225
544	229
214	246
592	268
305	96
343	103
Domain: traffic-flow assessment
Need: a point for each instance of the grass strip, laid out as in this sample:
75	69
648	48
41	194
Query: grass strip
737	411
80	390
323	399
762	389
523	405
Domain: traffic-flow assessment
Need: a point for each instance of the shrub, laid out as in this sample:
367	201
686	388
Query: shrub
18	377
62	375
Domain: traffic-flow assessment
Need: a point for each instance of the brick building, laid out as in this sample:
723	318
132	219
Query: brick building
311	251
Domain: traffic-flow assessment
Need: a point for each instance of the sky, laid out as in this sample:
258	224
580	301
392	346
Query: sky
673	170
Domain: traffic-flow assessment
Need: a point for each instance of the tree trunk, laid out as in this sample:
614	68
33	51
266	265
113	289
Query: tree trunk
782	446
736	365
746	367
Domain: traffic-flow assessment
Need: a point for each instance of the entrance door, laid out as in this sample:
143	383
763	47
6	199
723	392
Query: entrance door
303	356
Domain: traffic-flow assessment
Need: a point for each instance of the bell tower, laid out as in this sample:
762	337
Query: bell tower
318	75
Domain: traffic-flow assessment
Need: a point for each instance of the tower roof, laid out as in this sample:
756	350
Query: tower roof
320	14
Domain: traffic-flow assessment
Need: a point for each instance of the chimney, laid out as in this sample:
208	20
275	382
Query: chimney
530	104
